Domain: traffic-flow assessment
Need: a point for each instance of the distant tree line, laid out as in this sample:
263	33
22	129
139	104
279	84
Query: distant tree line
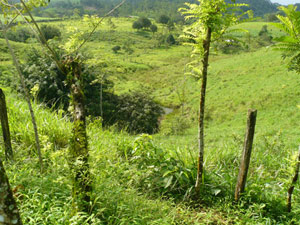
147	8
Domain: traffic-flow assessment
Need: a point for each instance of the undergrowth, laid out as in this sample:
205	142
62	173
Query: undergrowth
137	181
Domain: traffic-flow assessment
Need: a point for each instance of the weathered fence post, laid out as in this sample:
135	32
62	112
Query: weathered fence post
5	127
9	213
241	183
291	189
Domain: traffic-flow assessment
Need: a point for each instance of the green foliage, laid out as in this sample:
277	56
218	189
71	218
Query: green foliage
137	113
289	44
154	170
229	46
149	8
164	19
46	199
170	40
144	22
19	34
153	28
53	89
137	25
265	35
116	49
254	79
50	32
216	15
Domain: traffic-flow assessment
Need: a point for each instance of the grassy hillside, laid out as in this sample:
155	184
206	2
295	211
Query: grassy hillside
146	180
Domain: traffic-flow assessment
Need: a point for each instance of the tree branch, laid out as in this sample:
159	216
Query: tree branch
42	38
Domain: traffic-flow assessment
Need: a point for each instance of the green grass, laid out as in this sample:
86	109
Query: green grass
257	78
255	27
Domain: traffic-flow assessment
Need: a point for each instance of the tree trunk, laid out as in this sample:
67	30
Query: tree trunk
5	127
79	144
294	181
206	47
245	161
9	213
27	96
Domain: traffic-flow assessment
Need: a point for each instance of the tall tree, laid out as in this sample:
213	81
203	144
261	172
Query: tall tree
212	18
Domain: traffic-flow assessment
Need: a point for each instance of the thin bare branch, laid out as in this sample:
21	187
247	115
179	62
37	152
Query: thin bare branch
27	96
42	38
12	21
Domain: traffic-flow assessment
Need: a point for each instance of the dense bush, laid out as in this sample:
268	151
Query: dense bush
50	32
170	40
18	35
146	23
137	25
164	19
137	113
22	34
116	49
142	23
153	169
264	34
153	28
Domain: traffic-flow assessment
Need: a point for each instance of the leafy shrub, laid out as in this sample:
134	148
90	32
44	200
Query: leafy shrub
164	19
141	23
137	113
265	37
153	28
137	25
170	40
19	34
146	23
116	49
50	32
156	170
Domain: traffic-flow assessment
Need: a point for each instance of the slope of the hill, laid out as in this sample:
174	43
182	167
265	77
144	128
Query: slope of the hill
129	189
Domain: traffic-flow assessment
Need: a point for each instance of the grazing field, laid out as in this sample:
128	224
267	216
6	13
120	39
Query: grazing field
142	179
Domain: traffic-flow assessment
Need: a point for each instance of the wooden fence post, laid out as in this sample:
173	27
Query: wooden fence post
5	127
241	183
294	181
